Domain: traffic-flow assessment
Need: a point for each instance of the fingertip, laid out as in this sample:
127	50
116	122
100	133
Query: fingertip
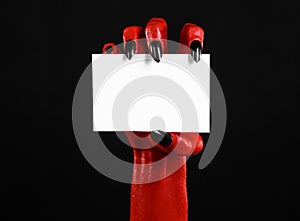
156	30
134	34
189	33
110	48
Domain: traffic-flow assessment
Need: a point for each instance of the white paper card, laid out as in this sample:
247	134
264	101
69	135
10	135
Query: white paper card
143	95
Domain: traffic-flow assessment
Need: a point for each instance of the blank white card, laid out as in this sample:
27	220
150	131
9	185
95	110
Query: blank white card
143	95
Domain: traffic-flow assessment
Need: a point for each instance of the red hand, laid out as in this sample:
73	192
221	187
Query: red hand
165	199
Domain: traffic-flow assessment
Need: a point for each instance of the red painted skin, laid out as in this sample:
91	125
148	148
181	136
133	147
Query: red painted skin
189	33
156	29
165	199
115	50
135	33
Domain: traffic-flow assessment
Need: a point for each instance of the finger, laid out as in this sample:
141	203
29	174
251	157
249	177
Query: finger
192	36
156	35
132	44
110	48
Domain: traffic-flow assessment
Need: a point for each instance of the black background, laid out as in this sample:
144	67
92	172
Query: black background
48	45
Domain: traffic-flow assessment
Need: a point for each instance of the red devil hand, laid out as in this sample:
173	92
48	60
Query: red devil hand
165	199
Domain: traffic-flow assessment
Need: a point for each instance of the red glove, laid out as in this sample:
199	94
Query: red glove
165	199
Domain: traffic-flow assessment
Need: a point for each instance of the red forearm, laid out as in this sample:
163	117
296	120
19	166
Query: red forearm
165	199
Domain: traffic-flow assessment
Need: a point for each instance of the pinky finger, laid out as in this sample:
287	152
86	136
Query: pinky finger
110	48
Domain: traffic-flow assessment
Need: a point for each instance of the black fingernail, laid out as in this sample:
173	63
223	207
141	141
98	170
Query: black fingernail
196	50
161	137
156	50
130	47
